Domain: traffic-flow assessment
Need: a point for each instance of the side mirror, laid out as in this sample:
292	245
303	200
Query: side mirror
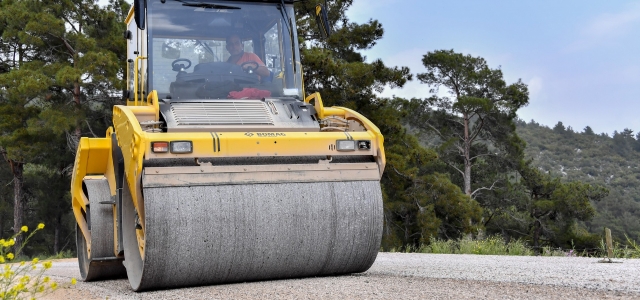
139	11
323	21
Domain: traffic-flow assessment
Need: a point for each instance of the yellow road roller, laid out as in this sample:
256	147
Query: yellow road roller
219	168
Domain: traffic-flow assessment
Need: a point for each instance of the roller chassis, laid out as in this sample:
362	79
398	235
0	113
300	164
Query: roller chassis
125	150
270	188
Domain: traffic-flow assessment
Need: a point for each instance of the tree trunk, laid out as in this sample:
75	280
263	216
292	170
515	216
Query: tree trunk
467	156
56	237
536	236
17	168
76	99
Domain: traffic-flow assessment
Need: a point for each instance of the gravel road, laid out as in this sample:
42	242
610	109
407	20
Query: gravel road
408	276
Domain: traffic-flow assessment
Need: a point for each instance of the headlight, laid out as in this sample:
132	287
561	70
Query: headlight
181	147
346	145
364	145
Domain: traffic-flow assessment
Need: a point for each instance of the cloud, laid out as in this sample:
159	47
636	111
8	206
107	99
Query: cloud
535	87
361	11
411	58
607	24
605	27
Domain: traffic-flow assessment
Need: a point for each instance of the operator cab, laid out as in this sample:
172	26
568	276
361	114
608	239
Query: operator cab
188	57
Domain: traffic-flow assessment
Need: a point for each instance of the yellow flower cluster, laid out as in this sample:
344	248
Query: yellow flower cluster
7	244
19	280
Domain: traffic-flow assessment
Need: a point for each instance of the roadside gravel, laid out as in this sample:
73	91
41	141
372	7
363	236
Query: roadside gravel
408	276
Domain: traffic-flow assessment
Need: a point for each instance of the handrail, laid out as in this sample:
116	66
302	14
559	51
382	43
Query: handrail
135	79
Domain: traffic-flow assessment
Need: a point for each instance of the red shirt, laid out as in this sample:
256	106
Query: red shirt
248	56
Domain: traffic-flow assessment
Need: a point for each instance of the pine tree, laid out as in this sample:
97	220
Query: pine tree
419	203
476	123
62	63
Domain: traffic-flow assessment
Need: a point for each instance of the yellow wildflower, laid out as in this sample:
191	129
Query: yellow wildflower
35	260
47	264
41	226
24	228
45	279
41	289
6	244
73	281
33	267
22	263
12	242
10	255
1	261
54	285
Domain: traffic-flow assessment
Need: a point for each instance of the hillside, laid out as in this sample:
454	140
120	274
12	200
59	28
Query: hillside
612	161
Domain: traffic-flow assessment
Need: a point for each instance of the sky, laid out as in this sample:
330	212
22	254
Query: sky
580	59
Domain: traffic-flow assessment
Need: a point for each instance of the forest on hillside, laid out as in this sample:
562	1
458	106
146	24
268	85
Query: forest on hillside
611	161
458	165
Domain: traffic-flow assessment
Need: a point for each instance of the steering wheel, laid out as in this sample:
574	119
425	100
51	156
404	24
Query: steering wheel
180	67
250	67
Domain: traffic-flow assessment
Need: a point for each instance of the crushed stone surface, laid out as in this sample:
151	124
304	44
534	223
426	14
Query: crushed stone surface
406	276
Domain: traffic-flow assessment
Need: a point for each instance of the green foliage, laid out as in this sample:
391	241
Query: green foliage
627	249
632	249
596	159
475	126
335	68
493	245
418	202
61	65
554	207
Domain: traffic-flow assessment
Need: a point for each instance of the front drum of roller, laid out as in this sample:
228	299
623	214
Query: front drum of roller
204	235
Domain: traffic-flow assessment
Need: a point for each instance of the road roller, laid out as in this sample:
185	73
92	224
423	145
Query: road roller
220	168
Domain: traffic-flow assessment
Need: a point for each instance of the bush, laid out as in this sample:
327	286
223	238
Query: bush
494	245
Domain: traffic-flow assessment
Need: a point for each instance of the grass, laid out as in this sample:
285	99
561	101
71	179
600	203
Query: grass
629	250
60	255
496	245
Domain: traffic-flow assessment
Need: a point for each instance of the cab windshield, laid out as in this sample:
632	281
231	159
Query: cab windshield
191	44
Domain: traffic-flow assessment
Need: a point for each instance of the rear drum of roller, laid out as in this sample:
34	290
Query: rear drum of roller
232	233
100	264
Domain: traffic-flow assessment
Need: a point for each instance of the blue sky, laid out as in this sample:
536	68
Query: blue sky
580	59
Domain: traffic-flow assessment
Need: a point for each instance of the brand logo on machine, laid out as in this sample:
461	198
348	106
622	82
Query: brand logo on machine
270	134
265	134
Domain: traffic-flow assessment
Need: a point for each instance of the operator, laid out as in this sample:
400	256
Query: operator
239	57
